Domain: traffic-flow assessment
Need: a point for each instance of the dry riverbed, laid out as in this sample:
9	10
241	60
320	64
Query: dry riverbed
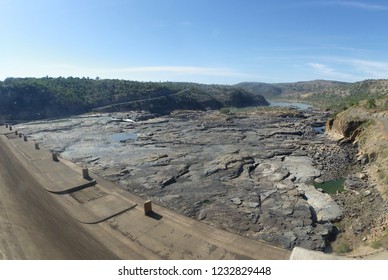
250	173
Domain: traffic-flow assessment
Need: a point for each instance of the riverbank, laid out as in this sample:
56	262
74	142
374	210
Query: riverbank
247	173
365	201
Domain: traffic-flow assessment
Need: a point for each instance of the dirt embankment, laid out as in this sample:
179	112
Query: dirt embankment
368	129
365	200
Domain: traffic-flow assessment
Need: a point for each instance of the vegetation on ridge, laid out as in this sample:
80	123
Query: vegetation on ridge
39	98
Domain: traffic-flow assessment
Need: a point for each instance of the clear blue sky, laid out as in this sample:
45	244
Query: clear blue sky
207	41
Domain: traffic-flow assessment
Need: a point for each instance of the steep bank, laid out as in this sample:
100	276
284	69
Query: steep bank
368	129
365	199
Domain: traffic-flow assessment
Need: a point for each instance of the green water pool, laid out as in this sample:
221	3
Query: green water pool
331	186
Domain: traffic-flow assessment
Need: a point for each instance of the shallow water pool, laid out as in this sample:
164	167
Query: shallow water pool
123	136
331	186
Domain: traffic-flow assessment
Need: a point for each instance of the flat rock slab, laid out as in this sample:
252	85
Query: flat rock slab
301	167
101	209
326	209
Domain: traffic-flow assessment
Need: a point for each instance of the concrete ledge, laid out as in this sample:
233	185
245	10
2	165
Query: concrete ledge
60	179
101	209
66	180
5	130
81	185
303	254
28	148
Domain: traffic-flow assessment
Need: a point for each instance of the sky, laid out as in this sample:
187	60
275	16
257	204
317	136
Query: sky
203	41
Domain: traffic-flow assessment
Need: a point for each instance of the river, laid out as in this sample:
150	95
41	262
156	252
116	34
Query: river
298	105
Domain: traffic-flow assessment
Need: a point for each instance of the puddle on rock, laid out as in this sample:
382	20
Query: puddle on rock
331	186
123	137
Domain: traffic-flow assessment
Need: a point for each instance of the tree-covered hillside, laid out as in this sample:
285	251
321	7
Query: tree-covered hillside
39	98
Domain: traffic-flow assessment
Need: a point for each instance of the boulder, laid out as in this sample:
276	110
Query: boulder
367	193
324	206
253	204
354	183
270	172
318	180
236	201
201	215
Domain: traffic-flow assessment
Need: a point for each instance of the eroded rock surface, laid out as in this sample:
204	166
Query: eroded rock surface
246	174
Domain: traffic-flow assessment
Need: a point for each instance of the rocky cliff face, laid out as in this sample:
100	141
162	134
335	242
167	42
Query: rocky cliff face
346	126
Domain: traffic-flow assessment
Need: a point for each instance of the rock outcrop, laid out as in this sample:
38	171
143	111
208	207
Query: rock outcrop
325	209
248	173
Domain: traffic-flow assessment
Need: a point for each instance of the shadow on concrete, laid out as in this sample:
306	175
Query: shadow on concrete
154	215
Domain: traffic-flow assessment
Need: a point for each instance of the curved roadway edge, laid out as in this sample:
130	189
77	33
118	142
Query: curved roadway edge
129	234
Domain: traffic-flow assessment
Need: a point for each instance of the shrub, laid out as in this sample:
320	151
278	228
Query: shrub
370	104
226	111
376	244
341	248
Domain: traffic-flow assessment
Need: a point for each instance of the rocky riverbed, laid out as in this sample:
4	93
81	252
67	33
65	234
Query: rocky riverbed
250	173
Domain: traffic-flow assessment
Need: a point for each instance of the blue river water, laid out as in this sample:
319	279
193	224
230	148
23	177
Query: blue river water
298	105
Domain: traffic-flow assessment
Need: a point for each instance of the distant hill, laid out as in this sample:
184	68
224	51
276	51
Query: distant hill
298	90
333	94
40	98
270	91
